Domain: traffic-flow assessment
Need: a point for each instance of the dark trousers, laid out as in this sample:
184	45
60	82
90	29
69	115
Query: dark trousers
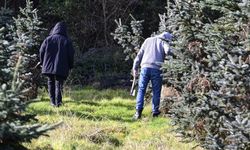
55	88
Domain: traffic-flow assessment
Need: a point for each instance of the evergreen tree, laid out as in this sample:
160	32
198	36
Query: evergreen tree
212	73
6	44
129	40
15	123
27	36
5	16
185	19
13	119
229	72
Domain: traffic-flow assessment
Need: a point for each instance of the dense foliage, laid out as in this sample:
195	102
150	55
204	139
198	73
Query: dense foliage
15	124
92	22
16	41
27	33
129	38
100	67
23	37
211	70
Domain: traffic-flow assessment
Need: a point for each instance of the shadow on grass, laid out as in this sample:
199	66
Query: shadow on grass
88	111
91	101
78	102
82	114
129	107
85	102
97	95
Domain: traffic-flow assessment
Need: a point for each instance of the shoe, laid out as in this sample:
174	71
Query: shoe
52	104
156	114
137	115
59	104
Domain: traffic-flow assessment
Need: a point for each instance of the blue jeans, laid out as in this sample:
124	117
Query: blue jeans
146	75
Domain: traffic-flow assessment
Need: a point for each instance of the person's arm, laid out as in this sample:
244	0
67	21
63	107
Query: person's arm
138	59
42	51
167	49
71	53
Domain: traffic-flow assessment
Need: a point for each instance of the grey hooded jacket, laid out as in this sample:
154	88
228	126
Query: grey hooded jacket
153	51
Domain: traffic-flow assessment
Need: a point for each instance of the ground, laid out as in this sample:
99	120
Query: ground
102	119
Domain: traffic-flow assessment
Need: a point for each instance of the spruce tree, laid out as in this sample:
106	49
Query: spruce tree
130	38
185	19
214	82
27	33
5	16
15	123
229	72
5	42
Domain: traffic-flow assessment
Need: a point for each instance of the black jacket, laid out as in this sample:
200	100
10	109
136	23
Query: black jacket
56	52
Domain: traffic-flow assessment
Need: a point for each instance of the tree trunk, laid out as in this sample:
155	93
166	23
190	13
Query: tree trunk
105	21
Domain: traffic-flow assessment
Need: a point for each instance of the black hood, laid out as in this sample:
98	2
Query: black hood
59	28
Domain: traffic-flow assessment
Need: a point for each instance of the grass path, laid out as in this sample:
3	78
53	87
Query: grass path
102	120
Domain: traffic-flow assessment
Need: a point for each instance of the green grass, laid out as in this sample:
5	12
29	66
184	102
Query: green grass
95	119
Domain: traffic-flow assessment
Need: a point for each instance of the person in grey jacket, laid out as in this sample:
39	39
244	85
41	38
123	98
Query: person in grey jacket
56	58
150	57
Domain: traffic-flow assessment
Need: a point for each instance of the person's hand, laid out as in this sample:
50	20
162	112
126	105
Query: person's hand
135	73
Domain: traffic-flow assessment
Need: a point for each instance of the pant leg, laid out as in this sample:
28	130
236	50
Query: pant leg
59	89
156	79
51	88
142	86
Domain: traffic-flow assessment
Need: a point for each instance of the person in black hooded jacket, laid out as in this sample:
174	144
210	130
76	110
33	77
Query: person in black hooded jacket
56	58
